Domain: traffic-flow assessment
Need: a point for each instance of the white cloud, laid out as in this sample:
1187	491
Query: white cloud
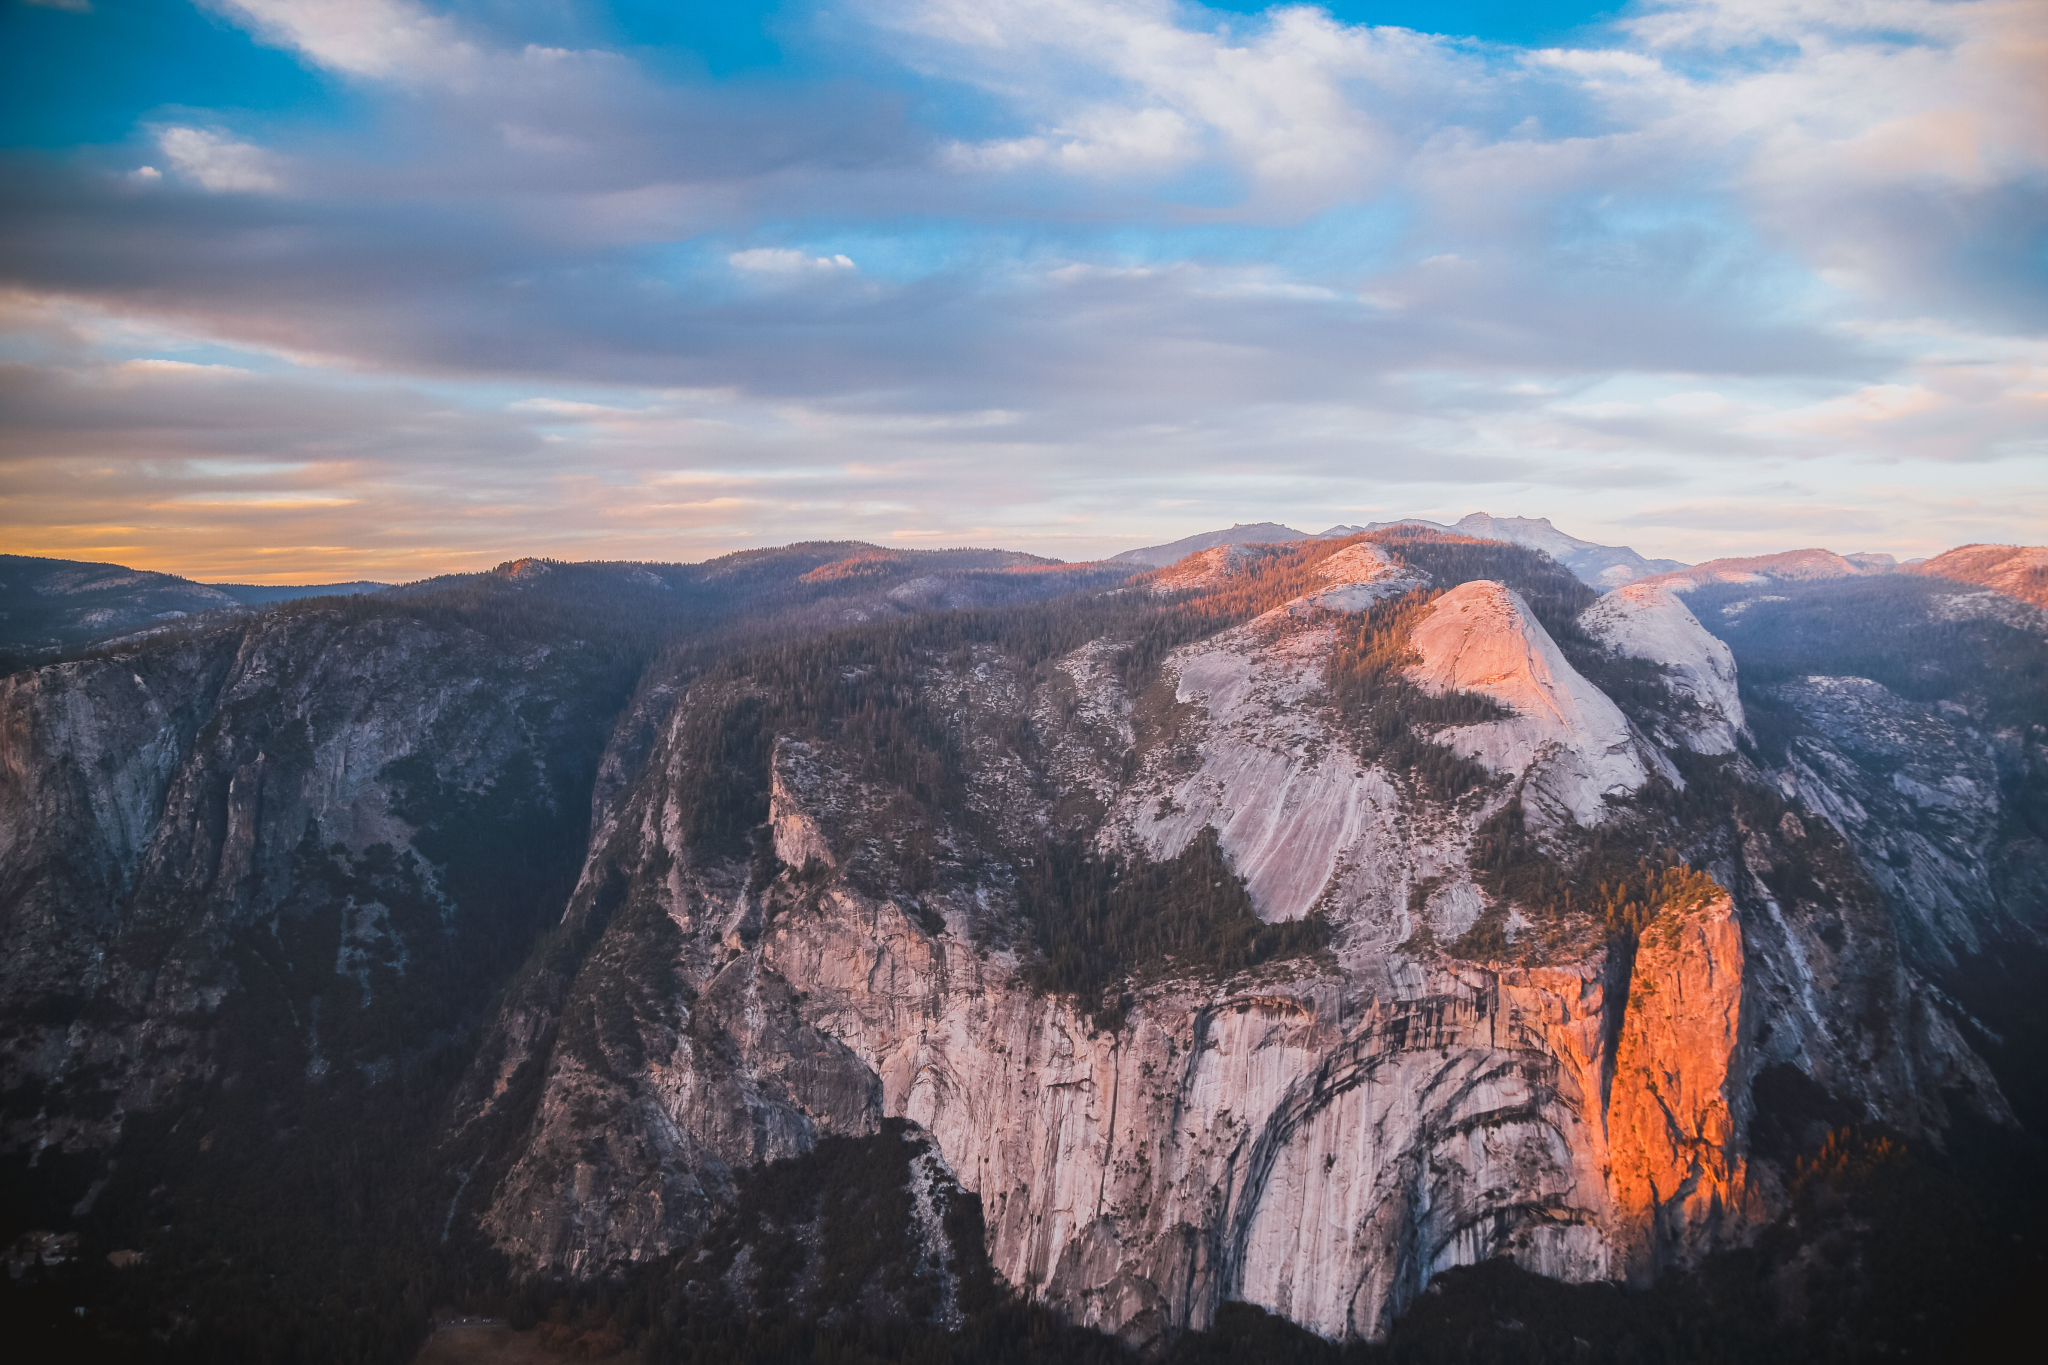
216	161
1277	100
780	262
153	365
379	38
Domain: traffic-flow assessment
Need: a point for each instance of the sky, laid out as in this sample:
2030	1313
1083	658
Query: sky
310	290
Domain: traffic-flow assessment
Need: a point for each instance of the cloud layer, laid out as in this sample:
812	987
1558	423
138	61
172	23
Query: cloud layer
1067	275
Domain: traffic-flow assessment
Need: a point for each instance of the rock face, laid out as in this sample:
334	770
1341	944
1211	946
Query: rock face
1651	622
1319	1135
796	890
1572	742
158	810
1674	1122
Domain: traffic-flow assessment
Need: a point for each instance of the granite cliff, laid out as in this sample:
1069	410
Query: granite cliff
1284	927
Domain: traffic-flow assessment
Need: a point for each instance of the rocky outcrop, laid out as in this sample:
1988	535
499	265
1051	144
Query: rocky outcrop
1276	1138
1917	789
784	929
1676	1101
1651	622
1565	733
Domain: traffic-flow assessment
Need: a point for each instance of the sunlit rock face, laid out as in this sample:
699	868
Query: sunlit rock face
1573	741
1318	1136
1674	1122
1284	794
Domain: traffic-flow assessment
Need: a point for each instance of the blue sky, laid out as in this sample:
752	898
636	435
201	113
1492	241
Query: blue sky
307	289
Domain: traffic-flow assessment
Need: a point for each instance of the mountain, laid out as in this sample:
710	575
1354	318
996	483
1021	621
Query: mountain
262	594
1603	566
836	952
1789	566
1158	556
47	605
2019	571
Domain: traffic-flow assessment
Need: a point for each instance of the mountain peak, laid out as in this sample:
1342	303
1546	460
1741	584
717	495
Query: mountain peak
1605	567
1240	533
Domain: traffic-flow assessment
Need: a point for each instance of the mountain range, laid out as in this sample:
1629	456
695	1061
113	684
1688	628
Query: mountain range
1603	566
55	603
1394	944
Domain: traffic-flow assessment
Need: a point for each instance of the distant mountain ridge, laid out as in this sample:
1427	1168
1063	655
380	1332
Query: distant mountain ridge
1257	533
49	604
263	594
2016	570
1603	566
1787	566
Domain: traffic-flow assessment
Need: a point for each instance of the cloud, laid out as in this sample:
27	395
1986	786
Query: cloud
373	38
1124	267
780	262
1125	86
215	161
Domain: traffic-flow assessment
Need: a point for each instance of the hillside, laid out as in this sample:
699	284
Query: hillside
2019	571
49	605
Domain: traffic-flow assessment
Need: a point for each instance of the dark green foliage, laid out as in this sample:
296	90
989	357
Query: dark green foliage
281	1221
1611	878
869	693
722	791
837	1225
628	980
1097	919
1640	688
